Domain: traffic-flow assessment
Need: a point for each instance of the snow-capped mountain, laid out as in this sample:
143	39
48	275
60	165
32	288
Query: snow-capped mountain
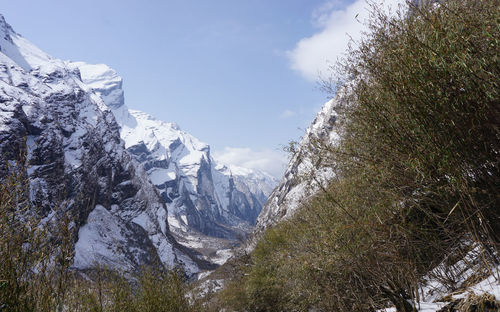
135	183
205	200
304	174
77	160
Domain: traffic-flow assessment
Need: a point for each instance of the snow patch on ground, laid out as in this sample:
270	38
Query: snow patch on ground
433	290
222	256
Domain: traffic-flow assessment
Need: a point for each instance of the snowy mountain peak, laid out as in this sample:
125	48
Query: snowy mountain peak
137	185
76	158
25	54
5	28
205	201
103	80
257	180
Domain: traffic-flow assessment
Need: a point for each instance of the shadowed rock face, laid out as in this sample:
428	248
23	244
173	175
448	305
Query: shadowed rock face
77	160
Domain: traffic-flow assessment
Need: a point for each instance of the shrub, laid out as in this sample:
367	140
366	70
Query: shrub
416	168
34	261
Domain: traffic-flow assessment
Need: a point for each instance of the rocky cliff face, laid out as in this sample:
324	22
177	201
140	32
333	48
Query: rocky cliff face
76	159
304	175
210	206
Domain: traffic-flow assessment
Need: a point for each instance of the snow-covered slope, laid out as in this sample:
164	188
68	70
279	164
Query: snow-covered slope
303	175
465	284
210	205
76	159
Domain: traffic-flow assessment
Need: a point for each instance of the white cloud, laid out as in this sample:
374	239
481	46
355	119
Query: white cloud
312	56
287	114
271	161
321	14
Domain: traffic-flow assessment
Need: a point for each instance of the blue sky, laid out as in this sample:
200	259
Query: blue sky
238	74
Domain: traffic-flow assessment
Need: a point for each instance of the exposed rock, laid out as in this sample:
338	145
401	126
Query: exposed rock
303	176
76	159
205	200
134	183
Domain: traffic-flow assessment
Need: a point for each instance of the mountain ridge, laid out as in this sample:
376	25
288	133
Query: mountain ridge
77	156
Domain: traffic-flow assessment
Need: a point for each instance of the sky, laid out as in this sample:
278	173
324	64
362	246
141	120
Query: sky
240	75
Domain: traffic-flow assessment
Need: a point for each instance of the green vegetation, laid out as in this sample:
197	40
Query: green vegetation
34	262
151	290
416	170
